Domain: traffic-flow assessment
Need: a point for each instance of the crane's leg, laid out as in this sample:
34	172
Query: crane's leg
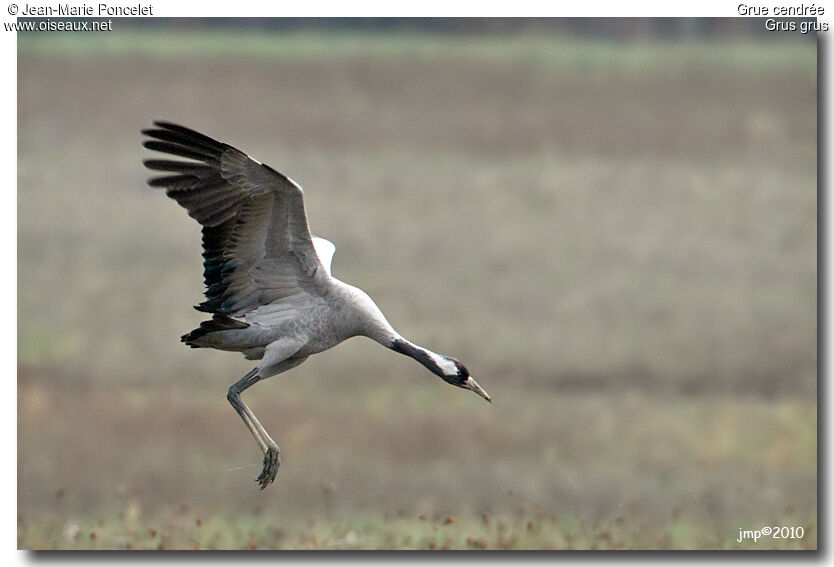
242	410
272	453
272	458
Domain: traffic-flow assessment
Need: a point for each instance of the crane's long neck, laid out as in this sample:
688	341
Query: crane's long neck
376	327
368	320
436	363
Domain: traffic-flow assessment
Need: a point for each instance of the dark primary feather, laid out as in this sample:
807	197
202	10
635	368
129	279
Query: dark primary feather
257	247
178	166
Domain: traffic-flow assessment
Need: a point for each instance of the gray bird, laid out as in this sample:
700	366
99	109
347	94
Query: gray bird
268	282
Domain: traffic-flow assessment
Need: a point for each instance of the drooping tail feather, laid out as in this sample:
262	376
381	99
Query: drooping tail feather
218	322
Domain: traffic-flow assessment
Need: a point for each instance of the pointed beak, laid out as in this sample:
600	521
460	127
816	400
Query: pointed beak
470	384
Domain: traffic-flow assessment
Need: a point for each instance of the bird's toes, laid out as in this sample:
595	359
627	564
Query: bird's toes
272	460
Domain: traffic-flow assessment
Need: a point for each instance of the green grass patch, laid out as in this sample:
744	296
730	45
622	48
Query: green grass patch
188	529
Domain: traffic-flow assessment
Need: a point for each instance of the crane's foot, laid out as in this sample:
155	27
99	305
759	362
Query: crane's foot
272	460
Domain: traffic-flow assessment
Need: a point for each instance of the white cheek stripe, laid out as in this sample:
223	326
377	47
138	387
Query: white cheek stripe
445	364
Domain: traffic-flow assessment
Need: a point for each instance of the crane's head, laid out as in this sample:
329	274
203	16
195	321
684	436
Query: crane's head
456	374
448	368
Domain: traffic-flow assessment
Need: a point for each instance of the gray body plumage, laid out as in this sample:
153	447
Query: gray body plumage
316	323
268	282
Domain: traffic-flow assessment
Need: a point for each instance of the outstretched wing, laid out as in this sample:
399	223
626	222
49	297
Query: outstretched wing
257	245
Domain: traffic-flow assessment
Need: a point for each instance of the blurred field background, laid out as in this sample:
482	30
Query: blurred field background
617	236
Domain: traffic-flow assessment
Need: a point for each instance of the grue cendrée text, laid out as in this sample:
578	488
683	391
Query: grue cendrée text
268	282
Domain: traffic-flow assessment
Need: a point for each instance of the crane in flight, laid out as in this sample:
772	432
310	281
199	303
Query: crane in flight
268	283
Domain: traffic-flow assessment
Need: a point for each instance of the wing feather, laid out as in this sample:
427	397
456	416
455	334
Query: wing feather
257	247
324	249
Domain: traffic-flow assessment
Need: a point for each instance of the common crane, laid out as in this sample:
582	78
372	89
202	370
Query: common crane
268	282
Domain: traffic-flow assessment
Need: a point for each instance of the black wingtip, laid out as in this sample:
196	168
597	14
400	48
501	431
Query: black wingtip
159	124
167	124
193	134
